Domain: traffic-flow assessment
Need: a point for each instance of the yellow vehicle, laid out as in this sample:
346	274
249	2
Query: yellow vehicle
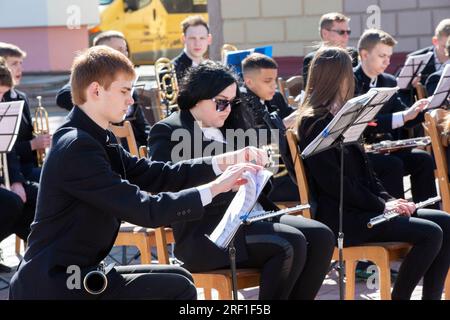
151	27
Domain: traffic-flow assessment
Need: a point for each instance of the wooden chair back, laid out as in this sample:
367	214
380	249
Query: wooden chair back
126	132
379	253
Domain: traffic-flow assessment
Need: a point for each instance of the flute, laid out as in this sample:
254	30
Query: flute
388	215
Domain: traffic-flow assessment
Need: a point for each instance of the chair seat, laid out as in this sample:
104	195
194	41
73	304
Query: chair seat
221	281
129	227
370	250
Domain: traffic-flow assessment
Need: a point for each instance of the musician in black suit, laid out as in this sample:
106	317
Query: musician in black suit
427	230
260	98
438	58
135	115
27	143
89	184
375	49
334	31
210	114
196	39
19	203
433	79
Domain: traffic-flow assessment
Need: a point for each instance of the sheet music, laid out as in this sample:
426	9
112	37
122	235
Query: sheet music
410	68
382	96
10	117
353	112
241	205
442	89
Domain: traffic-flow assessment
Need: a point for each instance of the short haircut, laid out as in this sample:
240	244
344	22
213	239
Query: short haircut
326	21
257	61
11	50
5	74
103	37
193	21
204	82
443	28
371	37
100	64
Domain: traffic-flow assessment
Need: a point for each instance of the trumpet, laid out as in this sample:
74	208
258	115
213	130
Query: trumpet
95	282
40	126
166	80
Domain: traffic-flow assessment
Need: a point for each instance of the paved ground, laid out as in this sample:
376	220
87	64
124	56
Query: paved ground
329	290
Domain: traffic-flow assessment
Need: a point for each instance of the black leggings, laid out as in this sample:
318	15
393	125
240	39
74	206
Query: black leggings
152	282
293	255
429	233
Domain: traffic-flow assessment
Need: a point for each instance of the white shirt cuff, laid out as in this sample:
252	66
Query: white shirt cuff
215	166
397	120
205	194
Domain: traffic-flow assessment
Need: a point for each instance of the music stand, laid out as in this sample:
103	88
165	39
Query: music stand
346	128
10	117
441	94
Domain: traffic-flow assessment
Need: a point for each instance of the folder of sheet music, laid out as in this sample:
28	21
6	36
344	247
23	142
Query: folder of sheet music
244	209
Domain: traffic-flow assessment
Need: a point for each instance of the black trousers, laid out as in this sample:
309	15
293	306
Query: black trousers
429	233
16	216
418	163
11	207
293	255
150	282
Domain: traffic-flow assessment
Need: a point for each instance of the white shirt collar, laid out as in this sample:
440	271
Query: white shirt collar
213	134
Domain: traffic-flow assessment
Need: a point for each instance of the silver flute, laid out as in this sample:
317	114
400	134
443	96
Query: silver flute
388	215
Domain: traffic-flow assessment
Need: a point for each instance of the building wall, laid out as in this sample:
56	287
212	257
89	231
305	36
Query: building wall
50	31
291	26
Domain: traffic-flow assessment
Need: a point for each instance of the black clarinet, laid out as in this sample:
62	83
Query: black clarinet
389	215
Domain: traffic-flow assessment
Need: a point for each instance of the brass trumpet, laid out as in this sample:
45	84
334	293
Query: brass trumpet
40	126
166	80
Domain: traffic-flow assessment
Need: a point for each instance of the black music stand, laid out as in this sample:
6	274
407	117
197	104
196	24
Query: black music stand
346	128
10	117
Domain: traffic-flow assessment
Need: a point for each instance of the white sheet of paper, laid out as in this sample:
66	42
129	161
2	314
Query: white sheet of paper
10	117
242	203
441	92
410	68
375	96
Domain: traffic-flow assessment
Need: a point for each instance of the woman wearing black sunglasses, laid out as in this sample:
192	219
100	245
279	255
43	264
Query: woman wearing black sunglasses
294	253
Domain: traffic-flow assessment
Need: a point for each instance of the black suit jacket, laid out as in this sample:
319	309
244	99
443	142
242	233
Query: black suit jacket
430	67
308	58
88	186
192	246
26	156
135	115
364	196
182	63
383	130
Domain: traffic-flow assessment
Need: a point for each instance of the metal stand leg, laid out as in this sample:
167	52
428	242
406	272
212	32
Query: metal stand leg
232	254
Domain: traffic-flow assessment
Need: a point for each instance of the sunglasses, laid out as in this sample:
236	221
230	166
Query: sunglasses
222	104
341	32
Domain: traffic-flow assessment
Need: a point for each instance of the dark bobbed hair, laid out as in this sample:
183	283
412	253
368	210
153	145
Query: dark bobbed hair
205	82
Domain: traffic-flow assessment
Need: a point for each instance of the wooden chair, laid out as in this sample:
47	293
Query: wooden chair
440	158
129	234
290	88
217	279
379	253
19	241
421	92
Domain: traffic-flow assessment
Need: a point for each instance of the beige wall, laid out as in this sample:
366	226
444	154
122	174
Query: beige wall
291	26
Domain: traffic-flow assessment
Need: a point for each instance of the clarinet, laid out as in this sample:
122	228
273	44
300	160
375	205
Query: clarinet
389	215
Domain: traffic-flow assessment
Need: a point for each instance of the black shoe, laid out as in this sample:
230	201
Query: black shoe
5	268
